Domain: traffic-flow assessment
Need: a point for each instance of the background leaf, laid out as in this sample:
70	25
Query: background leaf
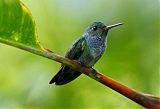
17	25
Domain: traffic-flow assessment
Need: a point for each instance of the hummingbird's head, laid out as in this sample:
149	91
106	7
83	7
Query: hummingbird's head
98	29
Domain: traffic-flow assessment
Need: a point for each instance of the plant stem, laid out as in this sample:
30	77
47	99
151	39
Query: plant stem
145	100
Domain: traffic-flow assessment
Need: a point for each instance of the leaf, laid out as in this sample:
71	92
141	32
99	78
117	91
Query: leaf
17	26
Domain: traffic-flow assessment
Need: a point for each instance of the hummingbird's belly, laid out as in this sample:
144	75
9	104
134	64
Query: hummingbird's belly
90	57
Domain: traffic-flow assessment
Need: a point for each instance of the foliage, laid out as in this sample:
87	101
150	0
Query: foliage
17	24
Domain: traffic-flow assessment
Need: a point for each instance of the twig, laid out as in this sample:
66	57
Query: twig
145	100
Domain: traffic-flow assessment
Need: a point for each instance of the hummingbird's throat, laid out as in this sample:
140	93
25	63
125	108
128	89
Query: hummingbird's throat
104	34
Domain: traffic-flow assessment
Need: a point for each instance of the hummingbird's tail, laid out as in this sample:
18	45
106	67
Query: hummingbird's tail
64	76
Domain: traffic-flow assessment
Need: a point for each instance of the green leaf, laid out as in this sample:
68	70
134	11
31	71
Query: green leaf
17	26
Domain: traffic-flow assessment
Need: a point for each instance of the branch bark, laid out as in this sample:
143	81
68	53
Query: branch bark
145	100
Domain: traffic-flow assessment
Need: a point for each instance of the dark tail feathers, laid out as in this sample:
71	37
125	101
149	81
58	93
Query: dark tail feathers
64	76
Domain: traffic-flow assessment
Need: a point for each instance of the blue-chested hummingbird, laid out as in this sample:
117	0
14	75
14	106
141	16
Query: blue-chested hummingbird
87	50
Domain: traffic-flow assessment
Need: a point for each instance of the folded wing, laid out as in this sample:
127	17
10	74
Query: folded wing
66	74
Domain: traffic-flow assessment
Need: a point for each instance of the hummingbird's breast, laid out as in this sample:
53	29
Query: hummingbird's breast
92	52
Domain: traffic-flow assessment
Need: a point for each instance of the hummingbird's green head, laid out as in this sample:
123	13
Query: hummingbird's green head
98	29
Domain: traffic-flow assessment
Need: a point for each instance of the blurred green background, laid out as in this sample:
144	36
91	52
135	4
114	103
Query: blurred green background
132	55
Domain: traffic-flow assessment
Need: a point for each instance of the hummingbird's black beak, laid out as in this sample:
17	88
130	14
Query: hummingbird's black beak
111	26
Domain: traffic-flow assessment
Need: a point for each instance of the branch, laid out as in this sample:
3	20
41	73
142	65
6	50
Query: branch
145	100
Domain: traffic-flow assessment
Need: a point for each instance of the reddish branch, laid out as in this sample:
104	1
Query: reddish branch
145	100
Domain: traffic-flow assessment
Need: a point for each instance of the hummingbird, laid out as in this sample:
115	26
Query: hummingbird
87	50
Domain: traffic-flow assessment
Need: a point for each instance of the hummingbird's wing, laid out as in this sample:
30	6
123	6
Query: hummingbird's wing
77	49
66	74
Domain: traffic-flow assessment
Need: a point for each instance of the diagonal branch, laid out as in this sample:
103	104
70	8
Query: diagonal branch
145	100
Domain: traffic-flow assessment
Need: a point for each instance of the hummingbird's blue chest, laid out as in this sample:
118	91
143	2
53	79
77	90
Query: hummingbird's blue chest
96	46
93	50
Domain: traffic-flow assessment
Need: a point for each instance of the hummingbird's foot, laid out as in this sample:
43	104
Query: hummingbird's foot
96	75
93	71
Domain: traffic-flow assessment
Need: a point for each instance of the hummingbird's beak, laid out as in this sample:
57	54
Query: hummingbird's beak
111	26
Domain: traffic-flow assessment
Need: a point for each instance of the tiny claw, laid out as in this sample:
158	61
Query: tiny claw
93	71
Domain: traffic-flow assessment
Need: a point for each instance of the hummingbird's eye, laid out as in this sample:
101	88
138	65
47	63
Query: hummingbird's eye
94	28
